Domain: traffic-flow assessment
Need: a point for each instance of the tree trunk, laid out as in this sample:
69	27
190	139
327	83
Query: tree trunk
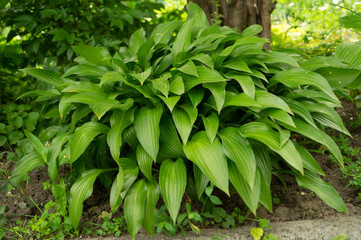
240	13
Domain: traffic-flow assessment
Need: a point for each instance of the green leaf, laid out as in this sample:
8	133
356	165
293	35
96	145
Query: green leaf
3	140
85	70
184	120
263	133
209	158
351	21
145	162
299	109
206	75
307	130
219	93
323	189
170	101
91	54
145	53
38	145
297	77
269	100
136	40
339	77
147	129
172	182
170	145
59	192
53	154
237	64
99	103
280	57
248	195
111	78
47	76
150	206
26	164
239	100
239	150
81	190
182	41
141	77
189	68
177	85
115	198
308	161
246	84
350	53
83	136
196	96
134	207
162	84
164	31
78	114
279	115
201	180
211	124
203	58
195	12
251	30
118	121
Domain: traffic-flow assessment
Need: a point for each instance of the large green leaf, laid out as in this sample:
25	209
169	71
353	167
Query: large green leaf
211	124
206	75
47	76
184	121
172	182
219	93
99	103
144	162
248	195
162	84
134	207
150	206
53	153
182	41
210	158
196	96
301	110
81	190
239	150
317	135
170	146
240	100
263	133
200	18
237	64
26	164
296	77
83	136
91	54
201	180
246	84
308	161
280	57
339	77
269	100
85	70
350	53
118	121
136	40
351	21
146	126
323	189
116	189
189	68
177	85
38	145
163	32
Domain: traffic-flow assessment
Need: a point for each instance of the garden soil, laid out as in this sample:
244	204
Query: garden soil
295	203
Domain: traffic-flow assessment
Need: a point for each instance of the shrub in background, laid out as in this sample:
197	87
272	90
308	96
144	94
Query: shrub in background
190	105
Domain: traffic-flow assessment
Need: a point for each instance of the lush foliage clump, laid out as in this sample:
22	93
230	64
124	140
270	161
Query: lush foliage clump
190	105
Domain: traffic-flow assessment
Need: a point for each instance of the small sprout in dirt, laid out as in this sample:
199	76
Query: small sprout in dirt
112	226
310	211
276	200
47	185
340	237
219	236
261	231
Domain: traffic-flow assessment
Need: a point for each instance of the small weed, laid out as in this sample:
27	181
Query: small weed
261	231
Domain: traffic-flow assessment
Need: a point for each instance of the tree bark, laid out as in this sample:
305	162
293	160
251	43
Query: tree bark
240	13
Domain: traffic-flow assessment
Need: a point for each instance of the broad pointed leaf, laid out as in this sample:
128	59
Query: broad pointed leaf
147	129
211	124
219	93
145	162
172	182
116	189
210	158
153	193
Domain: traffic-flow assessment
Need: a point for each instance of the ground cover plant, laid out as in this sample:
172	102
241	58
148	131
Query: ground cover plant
187	107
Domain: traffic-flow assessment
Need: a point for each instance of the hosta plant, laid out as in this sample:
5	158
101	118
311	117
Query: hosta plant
188	106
